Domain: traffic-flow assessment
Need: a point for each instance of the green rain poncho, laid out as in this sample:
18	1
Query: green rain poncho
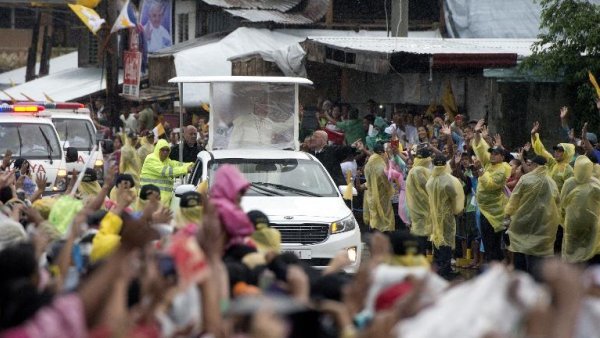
580	208
377	206
490	187
533	207
446	199
417	201
561	170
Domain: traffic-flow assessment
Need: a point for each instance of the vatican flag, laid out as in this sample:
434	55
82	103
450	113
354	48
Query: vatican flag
89	17
127	18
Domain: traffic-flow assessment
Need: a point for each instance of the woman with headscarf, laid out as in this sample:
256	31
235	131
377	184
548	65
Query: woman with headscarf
123	181
226	195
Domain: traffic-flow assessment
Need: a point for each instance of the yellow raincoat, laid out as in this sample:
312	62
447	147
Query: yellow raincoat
490	195
130	162
146	148
377	206
108	237
446	199
185	216
580	208
416	197
561	170
162	173
533	207
596	172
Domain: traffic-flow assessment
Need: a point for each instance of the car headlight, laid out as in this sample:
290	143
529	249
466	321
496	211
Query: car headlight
60	183
345	224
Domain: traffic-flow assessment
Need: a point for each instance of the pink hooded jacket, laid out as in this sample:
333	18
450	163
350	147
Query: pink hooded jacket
229	182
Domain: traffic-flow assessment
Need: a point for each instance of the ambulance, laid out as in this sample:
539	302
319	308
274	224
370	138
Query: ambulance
33	137
75	129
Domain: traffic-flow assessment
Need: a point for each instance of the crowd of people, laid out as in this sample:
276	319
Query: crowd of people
112	258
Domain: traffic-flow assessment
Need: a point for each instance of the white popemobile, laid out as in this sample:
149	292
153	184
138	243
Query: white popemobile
254	126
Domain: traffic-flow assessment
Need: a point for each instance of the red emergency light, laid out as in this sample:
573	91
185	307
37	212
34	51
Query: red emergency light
54	105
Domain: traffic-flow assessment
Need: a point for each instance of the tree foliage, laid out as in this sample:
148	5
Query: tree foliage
568	48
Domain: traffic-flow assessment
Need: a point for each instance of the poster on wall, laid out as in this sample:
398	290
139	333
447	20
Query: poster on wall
157	23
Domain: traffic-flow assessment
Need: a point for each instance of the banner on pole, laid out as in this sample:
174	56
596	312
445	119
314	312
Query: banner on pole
133	67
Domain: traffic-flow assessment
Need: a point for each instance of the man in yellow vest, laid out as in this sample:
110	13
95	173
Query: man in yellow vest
161	171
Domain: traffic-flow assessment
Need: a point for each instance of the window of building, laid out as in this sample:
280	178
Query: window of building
183	32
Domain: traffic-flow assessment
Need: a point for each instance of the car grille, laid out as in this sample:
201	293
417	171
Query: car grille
304	233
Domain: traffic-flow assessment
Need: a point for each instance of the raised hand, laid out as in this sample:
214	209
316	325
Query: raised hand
446	130
564	111
584	131
40	181
479	125
536	128
485	132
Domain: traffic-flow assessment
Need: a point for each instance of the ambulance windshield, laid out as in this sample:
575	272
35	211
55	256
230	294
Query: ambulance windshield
28	140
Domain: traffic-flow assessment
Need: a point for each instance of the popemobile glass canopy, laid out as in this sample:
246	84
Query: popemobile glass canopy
250	111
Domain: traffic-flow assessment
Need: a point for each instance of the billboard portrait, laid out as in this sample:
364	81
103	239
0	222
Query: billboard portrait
157	22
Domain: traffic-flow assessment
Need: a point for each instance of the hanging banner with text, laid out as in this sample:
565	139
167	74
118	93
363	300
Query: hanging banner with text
131	81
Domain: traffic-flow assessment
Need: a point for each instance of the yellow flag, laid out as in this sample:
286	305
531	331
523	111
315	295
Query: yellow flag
594	83
158	131
88	3
348	192
89	17
448	101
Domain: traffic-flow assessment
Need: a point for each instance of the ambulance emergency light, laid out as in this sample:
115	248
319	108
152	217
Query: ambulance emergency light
5	108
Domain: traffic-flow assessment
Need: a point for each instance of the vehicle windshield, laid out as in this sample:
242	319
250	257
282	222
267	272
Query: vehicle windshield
28	140
78	132
281	177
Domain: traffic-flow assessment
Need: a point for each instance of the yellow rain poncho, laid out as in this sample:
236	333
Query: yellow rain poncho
446	199
596	172
417	201
533	208
146	148
490	187
561	170
580	208
130	161
162	173
89	189
185	216
377	206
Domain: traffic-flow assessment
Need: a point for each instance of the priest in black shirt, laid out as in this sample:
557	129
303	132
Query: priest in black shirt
190	146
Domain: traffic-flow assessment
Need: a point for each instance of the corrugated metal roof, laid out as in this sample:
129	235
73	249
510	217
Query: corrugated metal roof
280	5
521	47
255	15
493	18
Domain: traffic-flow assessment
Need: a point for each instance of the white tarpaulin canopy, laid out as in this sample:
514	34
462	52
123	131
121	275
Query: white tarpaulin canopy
280	46
57	65
67	85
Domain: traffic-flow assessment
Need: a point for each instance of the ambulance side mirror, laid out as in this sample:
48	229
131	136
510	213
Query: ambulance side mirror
71	156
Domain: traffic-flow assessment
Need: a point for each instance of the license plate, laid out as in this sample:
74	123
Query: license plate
302	254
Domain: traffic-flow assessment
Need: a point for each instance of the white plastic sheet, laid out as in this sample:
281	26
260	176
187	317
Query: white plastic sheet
475	308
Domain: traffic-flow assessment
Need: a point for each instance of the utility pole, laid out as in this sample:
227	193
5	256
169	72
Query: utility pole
111	55
399	20
32	52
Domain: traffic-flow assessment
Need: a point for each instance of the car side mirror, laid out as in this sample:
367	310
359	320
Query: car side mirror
182	189
72	156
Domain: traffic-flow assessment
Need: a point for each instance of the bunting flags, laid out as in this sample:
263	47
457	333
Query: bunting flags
594	83
89	17
128	18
